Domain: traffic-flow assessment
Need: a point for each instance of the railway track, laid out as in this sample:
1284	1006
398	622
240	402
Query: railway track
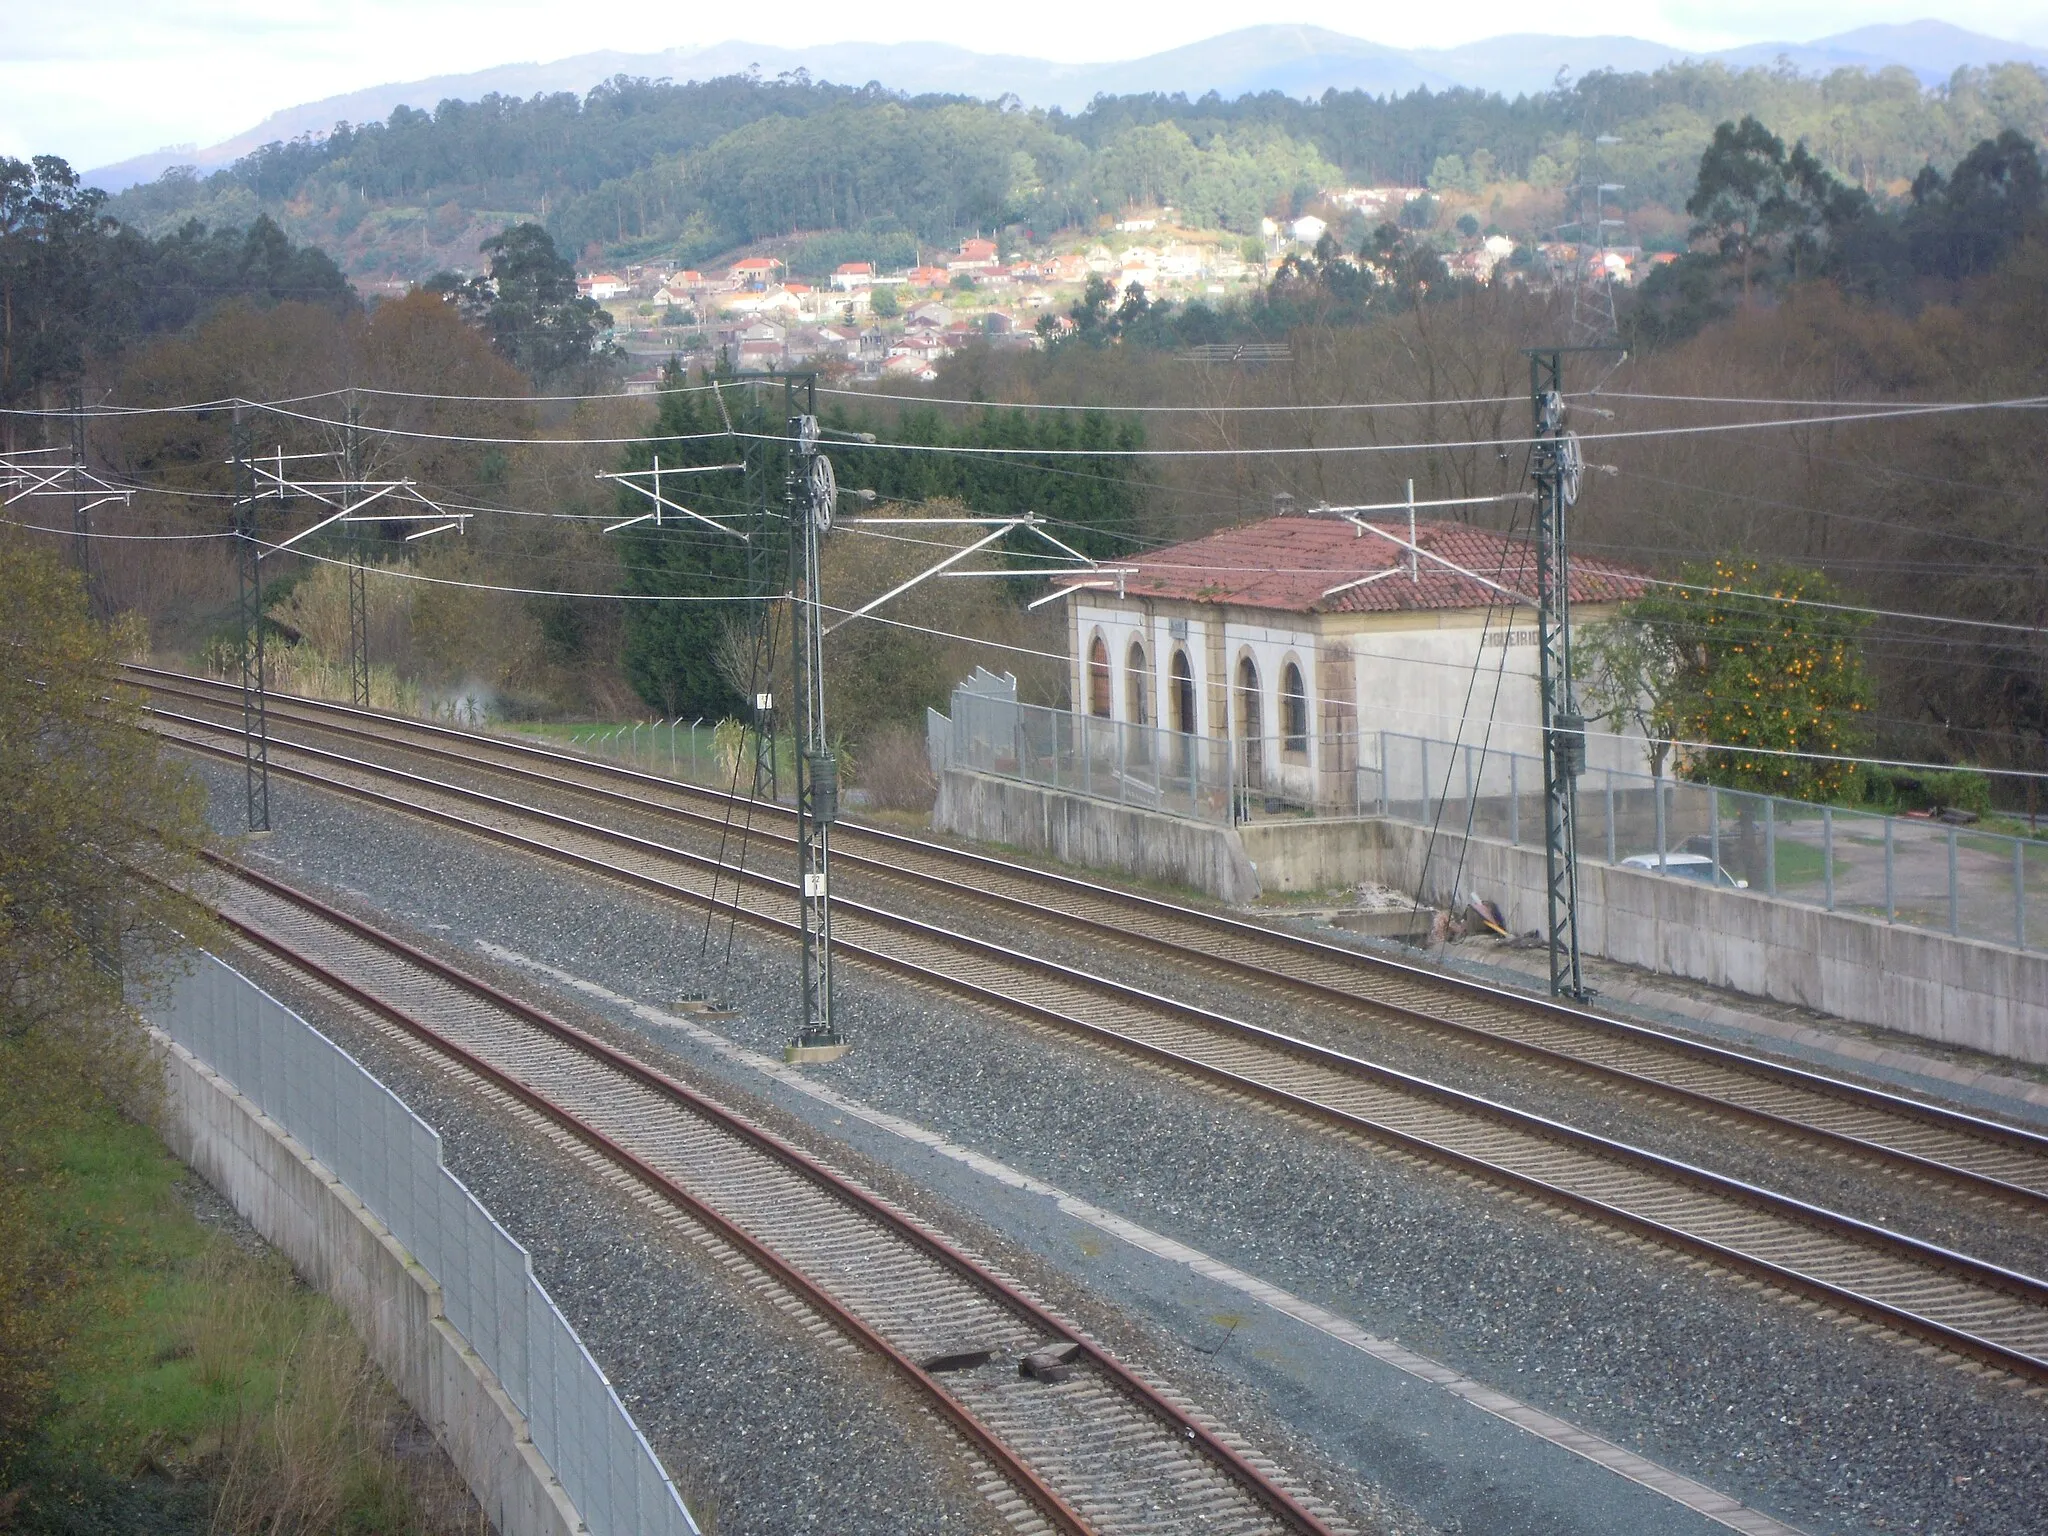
1963	1303
1977	1157
1084	1444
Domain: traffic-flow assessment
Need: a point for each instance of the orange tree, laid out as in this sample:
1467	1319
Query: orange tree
1747	668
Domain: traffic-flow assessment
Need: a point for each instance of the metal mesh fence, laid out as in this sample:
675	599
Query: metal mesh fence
675	749
1919	872
391	1160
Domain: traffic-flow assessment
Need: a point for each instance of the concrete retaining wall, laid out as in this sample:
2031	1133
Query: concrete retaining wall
1957	991
1095	833
1954	990
339	1247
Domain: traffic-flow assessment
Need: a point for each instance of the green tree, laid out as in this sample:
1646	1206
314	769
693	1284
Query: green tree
1094	321
1449	174
75	288
1089	493
90	808
1621	673
1743	657
671	649
883	301
51	229
530	308
1963	224
1755	200
1740	188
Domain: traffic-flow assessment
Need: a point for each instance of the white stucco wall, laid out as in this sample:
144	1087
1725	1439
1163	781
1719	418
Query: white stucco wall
1167	628
1414	680
1436	675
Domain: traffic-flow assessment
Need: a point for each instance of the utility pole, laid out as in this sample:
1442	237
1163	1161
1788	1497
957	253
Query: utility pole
34	474
810	490
358	586
1593	318
346	497
1557	467
83	501
249	593
760	578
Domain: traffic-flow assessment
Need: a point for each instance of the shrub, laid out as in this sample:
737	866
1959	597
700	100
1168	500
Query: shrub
1927	789
895	771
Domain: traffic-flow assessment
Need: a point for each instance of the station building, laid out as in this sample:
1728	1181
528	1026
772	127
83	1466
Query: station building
1304	637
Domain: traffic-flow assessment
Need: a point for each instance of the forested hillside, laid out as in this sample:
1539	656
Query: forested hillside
1854	240
686	171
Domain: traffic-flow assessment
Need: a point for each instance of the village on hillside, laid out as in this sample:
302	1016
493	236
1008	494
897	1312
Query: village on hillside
752	315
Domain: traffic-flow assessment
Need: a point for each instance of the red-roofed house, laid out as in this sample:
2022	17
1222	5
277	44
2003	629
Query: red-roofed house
755	272
1298	635
850	275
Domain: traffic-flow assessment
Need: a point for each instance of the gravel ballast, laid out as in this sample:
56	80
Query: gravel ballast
1820	1175
763	1429
1802	1416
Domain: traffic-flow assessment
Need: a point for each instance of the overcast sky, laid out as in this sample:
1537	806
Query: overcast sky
98	82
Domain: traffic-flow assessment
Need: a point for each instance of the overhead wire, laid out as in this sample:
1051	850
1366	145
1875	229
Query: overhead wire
75	533
1832	514
1597	393
2029	402
1895	413
1181	410
395	572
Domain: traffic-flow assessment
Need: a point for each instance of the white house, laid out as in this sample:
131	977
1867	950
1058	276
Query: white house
1302	638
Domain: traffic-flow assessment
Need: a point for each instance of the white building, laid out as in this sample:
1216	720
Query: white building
1302	638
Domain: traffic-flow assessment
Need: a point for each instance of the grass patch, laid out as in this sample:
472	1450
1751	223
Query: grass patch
1804	864
157	1377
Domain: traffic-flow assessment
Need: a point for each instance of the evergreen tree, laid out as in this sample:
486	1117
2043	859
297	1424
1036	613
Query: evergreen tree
530	308
672	649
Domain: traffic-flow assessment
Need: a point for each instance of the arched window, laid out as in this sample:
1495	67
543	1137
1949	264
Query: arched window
1183	694
1251	709
1098	678
1138	685
1293	710
1251	722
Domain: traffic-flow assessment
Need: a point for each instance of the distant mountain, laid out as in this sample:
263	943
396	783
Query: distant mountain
1296	60
1933	50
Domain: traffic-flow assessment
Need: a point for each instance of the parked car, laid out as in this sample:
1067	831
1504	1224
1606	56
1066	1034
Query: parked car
1686	866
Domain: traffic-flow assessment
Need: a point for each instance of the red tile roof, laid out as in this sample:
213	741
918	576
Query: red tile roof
1288	563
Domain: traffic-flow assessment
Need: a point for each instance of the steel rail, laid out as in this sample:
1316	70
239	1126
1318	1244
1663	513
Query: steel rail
1930	1257
1275	1499
1877	1101
1975	1180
